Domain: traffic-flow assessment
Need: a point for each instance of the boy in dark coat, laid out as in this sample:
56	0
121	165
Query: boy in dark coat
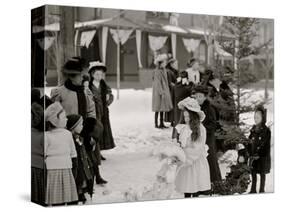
82	172
210	124
259	149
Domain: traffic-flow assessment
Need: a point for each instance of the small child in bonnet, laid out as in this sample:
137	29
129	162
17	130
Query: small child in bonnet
83	171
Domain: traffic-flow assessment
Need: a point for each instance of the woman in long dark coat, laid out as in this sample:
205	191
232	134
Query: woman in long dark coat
103	98
210	124
172	74
259	149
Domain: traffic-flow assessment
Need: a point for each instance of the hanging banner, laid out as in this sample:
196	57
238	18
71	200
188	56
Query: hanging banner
174	45
46	42
104	43
122	35
138	41
191	44
156	42
87	37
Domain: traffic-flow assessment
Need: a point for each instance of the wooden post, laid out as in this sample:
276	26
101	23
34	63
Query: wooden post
66	35
118	60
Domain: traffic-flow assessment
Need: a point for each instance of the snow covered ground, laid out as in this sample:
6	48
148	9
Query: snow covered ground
130	164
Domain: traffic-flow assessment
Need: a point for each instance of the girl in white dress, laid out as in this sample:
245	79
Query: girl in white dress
193	176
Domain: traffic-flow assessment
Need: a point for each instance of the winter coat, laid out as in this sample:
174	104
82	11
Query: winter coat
172	79
84	169
59	149
260	146
181	92
69	102
91	133
106	141
161	97
210	125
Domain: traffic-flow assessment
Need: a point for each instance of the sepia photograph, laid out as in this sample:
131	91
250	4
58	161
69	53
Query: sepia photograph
132	105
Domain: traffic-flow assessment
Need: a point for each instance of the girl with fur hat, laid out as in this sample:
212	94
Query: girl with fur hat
59	152
193	176
259	149
103	98
161	96
83	172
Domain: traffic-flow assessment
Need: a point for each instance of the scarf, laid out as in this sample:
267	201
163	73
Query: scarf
81	97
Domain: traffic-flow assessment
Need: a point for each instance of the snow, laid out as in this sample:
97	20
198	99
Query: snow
130	167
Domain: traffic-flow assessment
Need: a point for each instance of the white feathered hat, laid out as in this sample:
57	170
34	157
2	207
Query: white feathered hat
192	105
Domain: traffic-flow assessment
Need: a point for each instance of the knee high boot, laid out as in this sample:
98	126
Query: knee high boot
162	120
156	120
262	184
254	183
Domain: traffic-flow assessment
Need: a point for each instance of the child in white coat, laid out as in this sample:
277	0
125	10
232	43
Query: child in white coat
193	176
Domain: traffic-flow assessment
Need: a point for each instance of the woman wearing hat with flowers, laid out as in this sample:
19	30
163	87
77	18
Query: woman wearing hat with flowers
193	176
103	97
161	97
59	151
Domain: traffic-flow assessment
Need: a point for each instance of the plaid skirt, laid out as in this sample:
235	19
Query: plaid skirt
61	187
38	185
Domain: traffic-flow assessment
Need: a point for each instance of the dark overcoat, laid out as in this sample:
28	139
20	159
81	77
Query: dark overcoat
102	103
260	146
210	124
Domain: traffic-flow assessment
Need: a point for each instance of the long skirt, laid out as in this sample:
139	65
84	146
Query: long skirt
61	187
38	185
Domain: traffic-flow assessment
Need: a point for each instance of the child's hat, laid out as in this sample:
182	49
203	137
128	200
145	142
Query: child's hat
73	120
96	65
192	105
52	113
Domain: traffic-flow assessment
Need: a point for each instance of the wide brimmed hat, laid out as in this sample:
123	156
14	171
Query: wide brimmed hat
73	120
74	65
97	65
52	114
192	105
160	58
201	89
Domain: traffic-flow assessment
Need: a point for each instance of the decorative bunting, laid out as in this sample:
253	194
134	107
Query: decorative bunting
121	35
156	42
191	44
87	37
